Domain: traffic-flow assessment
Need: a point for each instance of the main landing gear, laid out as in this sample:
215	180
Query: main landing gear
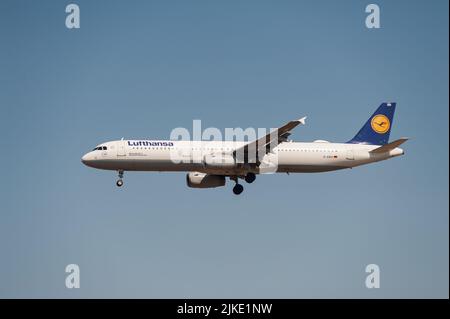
119	182
238	188
250	178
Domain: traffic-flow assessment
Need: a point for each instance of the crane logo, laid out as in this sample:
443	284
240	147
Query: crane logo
380	123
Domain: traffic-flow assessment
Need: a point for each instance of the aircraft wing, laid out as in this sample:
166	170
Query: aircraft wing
252	151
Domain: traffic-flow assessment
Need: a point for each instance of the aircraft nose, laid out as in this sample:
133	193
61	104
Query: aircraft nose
86	159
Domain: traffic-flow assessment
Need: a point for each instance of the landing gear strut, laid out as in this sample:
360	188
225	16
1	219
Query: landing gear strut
238	188
119	182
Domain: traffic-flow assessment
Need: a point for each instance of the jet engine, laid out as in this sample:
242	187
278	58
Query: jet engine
202	180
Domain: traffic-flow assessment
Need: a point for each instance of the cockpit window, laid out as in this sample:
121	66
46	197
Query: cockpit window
100	148
104	148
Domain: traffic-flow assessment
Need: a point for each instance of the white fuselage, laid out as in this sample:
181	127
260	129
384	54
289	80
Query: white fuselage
292	157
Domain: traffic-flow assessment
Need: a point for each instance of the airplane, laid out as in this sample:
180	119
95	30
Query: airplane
209	163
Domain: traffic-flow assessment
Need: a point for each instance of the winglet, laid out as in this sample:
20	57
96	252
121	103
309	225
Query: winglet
302	120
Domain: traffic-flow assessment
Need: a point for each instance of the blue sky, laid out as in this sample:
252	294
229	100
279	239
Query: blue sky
138	69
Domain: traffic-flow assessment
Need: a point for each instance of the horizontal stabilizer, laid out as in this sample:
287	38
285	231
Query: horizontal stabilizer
390	146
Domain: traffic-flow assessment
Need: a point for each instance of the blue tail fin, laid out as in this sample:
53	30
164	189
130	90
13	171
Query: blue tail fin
378	127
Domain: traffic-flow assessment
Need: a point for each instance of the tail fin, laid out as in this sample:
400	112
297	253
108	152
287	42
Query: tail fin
377	129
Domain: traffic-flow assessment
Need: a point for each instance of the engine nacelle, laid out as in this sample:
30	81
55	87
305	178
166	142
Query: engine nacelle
202	180
219	161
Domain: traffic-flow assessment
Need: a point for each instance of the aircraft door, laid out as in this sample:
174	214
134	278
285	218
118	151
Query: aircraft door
121	149
350	155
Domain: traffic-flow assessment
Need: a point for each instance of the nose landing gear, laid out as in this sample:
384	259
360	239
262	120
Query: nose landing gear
119	182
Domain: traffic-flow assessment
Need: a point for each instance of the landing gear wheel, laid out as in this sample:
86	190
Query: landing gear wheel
119	182
237	189
250	178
